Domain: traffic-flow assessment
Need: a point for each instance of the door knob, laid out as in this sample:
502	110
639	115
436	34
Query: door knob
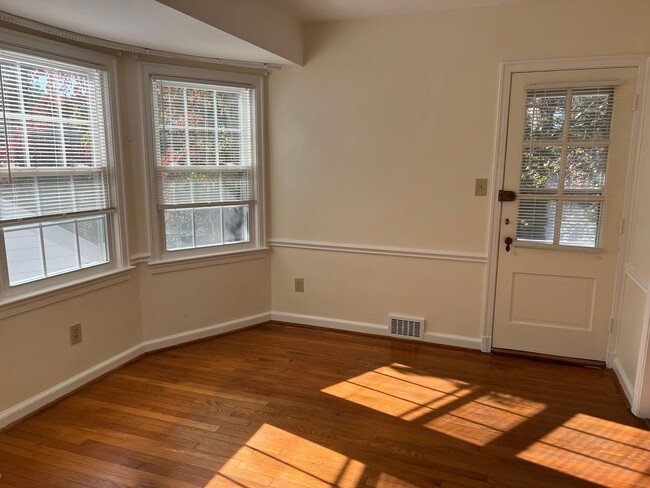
508	241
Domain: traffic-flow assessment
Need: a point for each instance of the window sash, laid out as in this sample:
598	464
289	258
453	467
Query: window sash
204	144
55	147
56	247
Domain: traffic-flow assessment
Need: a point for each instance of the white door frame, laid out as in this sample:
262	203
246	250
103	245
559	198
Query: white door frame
508	69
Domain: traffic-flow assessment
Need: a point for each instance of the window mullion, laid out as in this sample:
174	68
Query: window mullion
76	236
43	260
563	163
4	267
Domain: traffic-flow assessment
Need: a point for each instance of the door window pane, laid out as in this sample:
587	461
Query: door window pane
536	221
580	222
564	165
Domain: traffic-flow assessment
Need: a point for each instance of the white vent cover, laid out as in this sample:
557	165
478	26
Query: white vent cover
406	327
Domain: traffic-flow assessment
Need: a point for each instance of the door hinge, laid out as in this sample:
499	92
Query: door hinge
634	103
621	222
610	328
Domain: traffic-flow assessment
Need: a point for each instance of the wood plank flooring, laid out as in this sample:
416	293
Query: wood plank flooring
288	406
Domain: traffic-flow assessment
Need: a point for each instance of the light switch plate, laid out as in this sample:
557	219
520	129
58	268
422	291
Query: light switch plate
481	187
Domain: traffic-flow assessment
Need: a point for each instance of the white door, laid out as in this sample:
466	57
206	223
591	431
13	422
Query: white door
566	160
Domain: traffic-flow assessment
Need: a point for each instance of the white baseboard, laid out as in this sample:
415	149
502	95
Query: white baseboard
486	344
375	329
48	396
628	387
32	404
205	332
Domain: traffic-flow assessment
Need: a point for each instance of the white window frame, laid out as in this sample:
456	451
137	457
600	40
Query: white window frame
256	247
116	221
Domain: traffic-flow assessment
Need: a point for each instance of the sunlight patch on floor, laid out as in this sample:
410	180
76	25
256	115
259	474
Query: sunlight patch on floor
485	418
595	450
275	457
384	391
448	406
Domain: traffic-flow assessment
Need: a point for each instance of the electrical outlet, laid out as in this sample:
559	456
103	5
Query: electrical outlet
75	334
299	284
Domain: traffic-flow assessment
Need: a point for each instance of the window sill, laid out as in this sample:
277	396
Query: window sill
169	265
24	303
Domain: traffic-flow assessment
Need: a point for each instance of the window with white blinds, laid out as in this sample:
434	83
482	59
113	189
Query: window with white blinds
204	161
53	139
564	165
55	166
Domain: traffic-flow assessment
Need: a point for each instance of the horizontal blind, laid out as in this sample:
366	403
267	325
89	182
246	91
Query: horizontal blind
564	165
54	139
204	143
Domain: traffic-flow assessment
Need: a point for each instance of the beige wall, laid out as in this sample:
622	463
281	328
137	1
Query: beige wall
366	288
35	350
181	301
377	141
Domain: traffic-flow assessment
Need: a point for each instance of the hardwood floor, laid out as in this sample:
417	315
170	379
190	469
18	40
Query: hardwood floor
287	406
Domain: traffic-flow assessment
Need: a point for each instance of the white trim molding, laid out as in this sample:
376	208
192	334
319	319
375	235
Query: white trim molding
406	252
637	277
40	299
373	329
626	384
157	267
66	387
142	257
205	332
486	344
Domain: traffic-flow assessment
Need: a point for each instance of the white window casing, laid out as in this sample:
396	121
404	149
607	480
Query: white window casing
204	147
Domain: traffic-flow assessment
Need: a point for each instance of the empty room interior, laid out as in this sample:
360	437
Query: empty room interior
310	243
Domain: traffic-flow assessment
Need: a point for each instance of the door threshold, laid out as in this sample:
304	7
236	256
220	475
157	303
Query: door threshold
588	363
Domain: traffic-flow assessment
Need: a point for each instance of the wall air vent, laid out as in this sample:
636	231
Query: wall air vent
406	327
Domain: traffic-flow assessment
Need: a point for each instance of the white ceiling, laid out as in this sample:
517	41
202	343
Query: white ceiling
214	27
309	11
143	23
